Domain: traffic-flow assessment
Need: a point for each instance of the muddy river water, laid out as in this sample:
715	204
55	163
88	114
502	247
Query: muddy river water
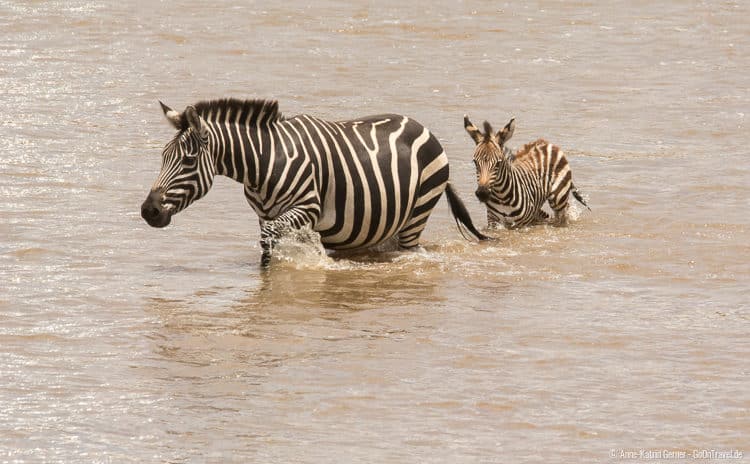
625	333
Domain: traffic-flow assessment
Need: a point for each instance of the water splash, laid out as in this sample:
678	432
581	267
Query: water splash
574	211
301	249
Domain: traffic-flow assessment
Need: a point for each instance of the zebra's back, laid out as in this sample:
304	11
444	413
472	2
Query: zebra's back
541	169
374	175
544	161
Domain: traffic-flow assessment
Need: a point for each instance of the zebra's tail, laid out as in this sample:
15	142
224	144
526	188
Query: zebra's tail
461	214
578	196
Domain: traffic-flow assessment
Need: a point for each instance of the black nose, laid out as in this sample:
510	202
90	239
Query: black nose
148	211
483	194
153	211
151	208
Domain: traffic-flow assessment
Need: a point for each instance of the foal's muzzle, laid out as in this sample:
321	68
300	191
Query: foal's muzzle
483	194
154	212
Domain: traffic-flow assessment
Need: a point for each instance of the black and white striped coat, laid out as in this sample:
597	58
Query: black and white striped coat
515	187
357	183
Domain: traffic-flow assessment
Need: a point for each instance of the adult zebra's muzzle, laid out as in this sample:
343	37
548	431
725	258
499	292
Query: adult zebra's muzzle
154	212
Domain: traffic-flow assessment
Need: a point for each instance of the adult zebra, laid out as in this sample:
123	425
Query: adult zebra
356	183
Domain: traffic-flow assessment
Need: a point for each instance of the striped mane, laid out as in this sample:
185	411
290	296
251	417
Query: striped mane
529	147
488	132
251	112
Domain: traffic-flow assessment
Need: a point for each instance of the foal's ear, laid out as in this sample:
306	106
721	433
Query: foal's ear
506	132
472	130
173	116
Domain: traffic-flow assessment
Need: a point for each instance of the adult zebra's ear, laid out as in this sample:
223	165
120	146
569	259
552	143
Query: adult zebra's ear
195	121
472	130
507	132
172	116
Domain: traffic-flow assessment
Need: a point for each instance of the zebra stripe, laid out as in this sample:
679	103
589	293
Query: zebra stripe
357	183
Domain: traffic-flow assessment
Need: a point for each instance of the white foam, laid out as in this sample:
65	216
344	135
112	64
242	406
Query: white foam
300	249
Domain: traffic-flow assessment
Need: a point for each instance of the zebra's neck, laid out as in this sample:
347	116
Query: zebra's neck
237	132
504	171
238	150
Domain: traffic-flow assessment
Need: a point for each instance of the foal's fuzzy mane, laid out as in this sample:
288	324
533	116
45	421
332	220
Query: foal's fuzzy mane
251	112
488	132
529	147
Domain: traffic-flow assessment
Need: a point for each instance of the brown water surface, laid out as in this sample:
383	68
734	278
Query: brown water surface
626	331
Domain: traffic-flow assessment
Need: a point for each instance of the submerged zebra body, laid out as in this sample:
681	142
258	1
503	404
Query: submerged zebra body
356	183
515	188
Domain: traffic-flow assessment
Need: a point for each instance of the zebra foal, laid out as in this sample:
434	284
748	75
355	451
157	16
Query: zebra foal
357	183
514	187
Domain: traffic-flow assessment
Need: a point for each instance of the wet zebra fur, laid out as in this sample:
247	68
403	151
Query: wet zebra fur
515	188
357	183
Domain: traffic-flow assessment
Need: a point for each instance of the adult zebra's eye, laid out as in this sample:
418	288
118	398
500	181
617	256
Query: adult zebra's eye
190	160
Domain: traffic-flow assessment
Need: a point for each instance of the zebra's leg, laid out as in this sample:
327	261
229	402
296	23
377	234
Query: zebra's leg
512	225
542	216
272	231
492	220
268	238
559	205
561	217
408	236
558	199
